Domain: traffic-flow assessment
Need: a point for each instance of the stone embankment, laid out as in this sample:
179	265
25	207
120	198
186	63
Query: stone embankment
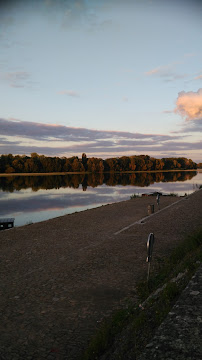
59	278
179	336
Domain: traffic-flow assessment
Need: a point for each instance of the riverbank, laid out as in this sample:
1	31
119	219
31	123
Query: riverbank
61	277
179	335
168	299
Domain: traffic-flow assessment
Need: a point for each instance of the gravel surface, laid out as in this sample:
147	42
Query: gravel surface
60	277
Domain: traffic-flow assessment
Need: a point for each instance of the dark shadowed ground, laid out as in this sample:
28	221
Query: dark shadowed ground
59	278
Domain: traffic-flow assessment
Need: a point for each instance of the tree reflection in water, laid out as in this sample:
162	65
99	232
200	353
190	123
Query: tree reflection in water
12	183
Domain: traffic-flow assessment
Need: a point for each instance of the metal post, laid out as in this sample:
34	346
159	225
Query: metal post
150	209
150	243
148	271
158	199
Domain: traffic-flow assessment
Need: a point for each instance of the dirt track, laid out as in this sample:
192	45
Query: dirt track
60	277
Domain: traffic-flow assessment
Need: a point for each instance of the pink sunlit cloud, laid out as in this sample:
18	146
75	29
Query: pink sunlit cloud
189	104
198	77
69	93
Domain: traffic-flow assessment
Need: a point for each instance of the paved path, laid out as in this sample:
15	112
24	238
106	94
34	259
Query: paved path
60	277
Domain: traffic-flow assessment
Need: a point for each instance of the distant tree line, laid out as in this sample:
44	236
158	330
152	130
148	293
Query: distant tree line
45	164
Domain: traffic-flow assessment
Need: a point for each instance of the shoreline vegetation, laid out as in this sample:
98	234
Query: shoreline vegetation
40	164
128	330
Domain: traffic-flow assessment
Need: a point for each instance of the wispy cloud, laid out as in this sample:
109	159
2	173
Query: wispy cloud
189	104
153	149
167	72
48	132
79	13
19	137
189	55
69	93
45	131
16	78
199	77
162	70
168	111
194	126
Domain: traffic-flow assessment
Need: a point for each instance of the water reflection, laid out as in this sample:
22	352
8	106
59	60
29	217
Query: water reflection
36	183
36	198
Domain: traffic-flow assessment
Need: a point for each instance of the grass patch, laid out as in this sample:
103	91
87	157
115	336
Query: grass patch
135	196
172	194
128	330
184	257
107	333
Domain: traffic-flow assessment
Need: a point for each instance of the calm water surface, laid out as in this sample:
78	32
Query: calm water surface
31	199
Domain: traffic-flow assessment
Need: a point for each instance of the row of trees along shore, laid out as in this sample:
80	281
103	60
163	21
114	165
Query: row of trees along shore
44	164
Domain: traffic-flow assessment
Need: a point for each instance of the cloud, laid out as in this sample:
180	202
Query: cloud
198	77
189	55
106	151
49	132
20	137
194	126
166	71
155	71
69	93
16	79
8	142
189	104
79	13
167	111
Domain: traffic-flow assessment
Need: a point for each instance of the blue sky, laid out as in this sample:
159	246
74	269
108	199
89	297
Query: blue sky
105	77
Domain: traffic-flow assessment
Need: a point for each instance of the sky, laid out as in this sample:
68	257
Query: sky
105	77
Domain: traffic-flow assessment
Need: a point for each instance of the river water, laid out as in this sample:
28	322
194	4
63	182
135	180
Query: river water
31	199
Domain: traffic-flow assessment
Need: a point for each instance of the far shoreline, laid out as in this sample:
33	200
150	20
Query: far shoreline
104	172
